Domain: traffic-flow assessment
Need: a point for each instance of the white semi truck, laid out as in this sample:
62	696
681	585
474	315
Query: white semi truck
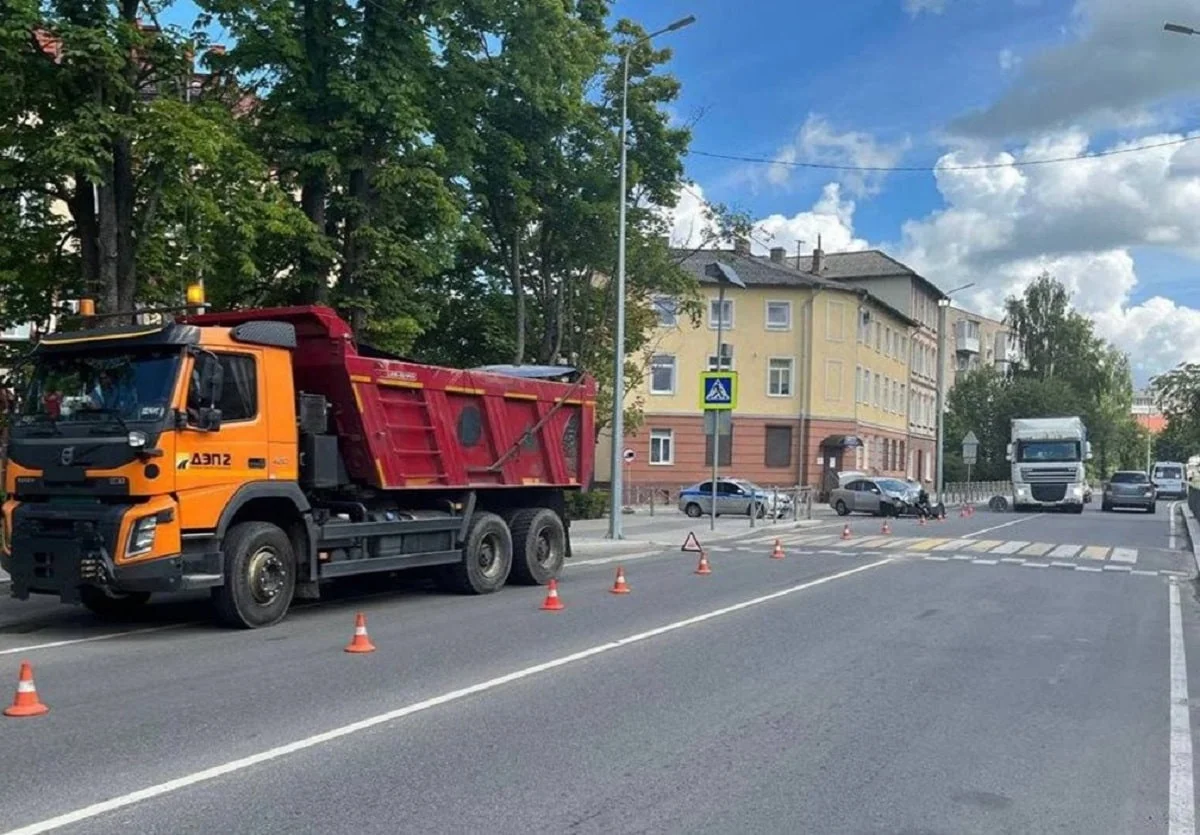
1047	456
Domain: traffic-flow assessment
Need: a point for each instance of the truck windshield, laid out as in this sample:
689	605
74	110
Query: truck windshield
1042	451
1169	473
127	386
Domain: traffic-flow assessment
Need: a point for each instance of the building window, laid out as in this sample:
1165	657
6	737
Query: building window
903	458
778	451
662	374
779	316
725	363
667	310
726	459
866	392
833	380
878	337
902	406
875	393
887	341
662	446
720	314
779	376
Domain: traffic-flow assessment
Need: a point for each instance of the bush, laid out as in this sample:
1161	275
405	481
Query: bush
590	505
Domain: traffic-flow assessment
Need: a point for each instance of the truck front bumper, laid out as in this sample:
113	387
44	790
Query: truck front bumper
57	550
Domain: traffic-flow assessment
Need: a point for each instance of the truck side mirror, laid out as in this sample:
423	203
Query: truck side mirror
208	384
1087	450
1008	452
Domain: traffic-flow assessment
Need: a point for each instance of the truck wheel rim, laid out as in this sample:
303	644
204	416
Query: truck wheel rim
267	575
545	548
489	555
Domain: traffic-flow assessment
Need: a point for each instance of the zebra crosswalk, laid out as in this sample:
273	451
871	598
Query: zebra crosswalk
1015	550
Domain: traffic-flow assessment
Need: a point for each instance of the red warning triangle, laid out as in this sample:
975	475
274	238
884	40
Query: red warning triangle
691	544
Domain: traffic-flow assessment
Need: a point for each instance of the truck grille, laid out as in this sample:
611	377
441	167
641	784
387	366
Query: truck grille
1049	492
1056	475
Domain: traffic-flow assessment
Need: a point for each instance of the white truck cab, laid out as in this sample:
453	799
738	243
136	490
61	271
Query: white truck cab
1047	456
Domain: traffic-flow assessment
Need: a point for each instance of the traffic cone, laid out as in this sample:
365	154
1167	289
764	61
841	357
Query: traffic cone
886	528
552	603
620	586
703	567
360	642
846	531
777	554
26	702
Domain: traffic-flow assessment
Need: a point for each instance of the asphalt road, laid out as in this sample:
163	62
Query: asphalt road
924	682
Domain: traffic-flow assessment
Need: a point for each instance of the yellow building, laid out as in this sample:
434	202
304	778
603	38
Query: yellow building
823	376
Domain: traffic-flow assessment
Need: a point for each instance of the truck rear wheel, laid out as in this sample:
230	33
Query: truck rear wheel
487	557
539	545
260	576
108	605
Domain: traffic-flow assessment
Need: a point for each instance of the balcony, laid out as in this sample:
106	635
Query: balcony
966	337
1008	350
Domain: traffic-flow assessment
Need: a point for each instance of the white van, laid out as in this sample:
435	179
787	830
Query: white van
1170	478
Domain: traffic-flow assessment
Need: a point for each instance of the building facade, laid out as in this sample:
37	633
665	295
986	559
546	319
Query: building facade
974	341
1147	412
823	377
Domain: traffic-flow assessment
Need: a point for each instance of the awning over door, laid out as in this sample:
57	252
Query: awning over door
841	442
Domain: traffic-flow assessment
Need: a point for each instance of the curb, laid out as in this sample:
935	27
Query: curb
1193	535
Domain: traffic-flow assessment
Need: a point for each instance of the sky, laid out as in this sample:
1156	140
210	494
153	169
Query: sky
943	83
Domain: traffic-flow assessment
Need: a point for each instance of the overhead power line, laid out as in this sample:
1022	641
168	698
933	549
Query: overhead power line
1020	163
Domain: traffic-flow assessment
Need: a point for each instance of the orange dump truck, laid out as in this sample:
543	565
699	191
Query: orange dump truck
259	452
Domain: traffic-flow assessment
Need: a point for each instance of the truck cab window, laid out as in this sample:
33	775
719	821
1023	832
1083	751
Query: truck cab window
239	395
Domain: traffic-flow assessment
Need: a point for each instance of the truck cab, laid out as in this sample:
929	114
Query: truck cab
126	451
1048	456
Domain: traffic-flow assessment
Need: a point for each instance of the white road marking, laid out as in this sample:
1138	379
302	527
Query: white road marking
90	639
1013	560
1181	813
963	557
1171	525
1095	568
1004	525
639	555
1036	564
1010	547
390	716
1065	551
935	558
1124	555
953	545
1059	564
1143	572
1118	568
984	562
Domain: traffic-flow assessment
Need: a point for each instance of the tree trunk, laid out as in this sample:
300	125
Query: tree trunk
82	205
518	289
314	191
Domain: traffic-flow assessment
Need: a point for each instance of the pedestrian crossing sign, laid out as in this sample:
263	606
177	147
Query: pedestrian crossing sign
718	390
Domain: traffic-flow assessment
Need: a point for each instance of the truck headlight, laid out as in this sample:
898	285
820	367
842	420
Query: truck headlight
1020	491
137	439
1077	491
141	538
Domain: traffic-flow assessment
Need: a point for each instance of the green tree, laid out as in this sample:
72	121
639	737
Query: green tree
102	132
1178	395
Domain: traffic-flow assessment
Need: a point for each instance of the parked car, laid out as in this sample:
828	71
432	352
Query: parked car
877	496
1129	488
734	498
1169	479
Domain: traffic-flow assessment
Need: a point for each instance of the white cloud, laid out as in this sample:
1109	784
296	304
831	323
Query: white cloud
915	7
1119	63
1000	227
1008	59
818	141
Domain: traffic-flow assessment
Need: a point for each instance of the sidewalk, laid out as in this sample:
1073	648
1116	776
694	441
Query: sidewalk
668	528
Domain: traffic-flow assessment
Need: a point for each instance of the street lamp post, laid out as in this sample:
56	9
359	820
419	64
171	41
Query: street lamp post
618	415
943	304
724	274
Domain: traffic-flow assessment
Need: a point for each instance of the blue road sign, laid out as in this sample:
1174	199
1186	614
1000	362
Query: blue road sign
718	390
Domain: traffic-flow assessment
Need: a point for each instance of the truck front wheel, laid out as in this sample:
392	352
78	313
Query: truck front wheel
539	545
487	557
260	576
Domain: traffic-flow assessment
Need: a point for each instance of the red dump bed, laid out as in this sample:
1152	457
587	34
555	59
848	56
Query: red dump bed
407	425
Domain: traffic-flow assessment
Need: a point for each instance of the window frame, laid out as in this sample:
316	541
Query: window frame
674	376
657	435
713	301
223	354
791	376
767	315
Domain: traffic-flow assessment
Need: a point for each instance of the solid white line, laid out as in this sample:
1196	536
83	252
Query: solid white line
1141	572
1181	813
1171	524
638	555
998	527
107	636
244	763
1124	555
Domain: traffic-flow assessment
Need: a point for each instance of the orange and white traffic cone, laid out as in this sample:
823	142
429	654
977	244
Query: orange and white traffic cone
703	567
886	528
846	531
552	603
26	702
620	586
360	642
777	554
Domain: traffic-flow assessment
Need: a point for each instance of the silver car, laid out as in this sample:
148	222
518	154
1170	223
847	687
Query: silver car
734	498
1129	488
877	496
